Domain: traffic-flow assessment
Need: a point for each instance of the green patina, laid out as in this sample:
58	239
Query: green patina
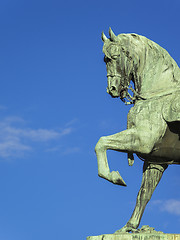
153	121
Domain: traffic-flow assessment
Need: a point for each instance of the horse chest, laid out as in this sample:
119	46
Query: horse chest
145	114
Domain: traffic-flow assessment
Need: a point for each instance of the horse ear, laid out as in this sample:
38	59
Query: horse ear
112	35
103	36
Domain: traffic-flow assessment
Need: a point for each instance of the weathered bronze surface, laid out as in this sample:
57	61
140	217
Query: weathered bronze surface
153	126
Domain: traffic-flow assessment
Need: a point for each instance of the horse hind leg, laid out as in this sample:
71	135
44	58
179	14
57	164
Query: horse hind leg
152	174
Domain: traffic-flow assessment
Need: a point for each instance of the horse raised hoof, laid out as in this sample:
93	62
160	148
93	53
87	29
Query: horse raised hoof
116	178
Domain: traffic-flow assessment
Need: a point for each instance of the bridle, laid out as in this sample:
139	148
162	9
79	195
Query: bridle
128	100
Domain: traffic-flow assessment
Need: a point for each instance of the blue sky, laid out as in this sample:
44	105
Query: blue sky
54	108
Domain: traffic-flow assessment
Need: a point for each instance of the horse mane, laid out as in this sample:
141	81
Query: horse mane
137	47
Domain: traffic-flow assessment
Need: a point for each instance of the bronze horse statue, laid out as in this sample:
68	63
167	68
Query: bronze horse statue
153	124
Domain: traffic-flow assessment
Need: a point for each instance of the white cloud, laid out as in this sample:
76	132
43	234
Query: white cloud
71	122
66	131
40	135
171	206
13	148
15	139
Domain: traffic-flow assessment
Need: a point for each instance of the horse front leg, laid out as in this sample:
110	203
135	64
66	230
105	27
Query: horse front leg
130	140
152	174
103	167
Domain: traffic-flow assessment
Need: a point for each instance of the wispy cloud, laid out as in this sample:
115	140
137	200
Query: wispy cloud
63	150
15	139
2	107
13	147
171	206
66	131
71	150
72	122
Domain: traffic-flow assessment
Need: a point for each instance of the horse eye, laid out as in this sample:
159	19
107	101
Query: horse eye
115	56
106	59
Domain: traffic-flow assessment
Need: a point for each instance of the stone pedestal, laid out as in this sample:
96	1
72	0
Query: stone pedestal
136	236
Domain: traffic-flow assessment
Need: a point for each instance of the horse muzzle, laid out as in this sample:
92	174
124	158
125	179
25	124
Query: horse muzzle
113	86
113	91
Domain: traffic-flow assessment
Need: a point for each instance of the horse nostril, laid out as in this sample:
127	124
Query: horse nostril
112	88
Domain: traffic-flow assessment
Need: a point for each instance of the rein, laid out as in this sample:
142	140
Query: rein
131	99
137	96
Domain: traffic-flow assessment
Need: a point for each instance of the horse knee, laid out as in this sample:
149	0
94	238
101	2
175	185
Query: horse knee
100	144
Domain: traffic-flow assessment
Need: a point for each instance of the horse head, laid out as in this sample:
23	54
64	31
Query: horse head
119	66
134	57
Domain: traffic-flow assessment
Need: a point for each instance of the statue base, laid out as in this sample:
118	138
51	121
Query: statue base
136	236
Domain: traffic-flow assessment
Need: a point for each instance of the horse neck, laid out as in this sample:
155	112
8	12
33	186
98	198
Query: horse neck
156	72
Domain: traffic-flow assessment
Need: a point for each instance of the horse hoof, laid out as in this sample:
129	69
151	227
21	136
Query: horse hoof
123	230
116	178
126	229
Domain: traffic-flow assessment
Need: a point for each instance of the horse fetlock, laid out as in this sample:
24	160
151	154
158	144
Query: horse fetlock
104	175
